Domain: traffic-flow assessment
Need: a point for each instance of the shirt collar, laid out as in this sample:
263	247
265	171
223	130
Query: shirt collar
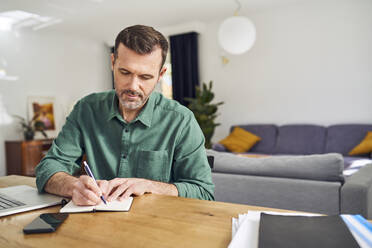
114	108
145	115
147	111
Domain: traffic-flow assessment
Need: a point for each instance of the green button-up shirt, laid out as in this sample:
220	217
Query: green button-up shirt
164	143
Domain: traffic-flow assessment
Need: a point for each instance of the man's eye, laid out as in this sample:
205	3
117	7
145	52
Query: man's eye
145	78
124	72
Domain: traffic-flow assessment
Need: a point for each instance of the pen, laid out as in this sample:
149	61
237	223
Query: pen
89	172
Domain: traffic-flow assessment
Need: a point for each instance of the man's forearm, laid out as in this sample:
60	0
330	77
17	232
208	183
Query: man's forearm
160	188
60	183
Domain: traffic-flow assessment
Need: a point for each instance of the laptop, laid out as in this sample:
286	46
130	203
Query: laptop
23	198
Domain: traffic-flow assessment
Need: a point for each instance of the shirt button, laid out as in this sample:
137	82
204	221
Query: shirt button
126	130
124	156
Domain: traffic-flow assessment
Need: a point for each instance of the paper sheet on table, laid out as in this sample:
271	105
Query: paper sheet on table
360	228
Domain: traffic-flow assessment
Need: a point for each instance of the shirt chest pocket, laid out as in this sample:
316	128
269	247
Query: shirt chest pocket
153	165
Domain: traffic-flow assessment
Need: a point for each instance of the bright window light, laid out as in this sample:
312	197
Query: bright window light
19	19
4	76
18	15
5	23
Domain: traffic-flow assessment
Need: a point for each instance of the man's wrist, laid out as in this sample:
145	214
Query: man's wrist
61	183
161	188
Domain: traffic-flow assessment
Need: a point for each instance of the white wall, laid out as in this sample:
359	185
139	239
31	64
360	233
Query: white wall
311	63
64	67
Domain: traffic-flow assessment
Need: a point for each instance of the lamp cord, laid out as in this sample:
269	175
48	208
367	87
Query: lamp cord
238	8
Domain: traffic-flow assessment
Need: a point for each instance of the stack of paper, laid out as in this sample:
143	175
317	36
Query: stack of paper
245	228
360	228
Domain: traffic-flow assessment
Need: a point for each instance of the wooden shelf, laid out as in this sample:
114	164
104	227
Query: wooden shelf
23	156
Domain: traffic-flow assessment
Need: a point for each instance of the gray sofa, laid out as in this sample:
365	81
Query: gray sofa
310	181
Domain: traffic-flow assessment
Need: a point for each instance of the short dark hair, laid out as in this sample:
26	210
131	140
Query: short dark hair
143	40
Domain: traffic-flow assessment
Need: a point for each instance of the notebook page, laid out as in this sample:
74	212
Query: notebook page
115	205
72	208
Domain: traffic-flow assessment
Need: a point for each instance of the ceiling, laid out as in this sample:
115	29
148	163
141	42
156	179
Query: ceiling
103	18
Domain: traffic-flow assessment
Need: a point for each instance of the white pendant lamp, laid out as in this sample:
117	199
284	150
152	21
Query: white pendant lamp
237	34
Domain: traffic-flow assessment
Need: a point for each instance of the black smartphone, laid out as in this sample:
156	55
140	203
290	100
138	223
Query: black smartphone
45	223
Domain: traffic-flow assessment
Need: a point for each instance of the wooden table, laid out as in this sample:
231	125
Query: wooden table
153	221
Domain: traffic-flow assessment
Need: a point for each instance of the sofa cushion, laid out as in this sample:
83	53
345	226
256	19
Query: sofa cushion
364	147
219	147
240	140
348	160
343	138
323	167
268	134
300	139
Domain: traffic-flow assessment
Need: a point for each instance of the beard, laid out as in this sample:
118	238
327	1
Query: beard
132	104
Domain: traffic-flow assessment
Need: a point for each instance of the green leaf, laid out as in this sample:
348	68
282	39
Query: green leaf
39	126
204	110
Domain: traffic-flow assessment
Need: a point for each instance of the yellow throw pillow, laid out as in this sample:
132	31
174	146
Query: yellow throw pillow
364	147
240	140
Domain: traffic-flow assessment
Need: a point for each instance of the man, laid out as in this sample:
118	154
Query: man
135	140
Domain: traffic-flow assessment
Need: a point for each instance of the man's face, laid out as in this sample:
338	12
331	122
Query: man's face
135	76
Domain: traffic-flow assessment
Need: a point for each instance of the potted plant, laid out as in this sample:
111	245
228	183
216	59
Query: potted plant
205	112
30	127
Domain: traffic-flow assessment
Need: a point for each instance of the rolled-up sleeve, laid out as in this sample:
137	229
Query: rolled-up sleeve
65	153
191	169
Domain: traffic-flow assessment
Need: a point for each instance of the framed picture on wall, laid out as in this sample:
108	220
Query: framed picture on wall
43	109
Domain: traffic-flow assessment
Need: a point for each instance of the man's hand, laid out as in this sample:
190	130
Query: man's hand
122	188
86	192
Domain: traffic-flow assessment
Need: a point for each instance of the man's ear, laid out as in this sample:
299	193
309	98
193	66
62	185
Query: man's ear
112	61
162	72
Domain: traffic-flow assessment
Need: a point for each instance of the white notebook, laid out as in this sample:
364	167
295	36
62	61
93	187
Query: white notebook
111	206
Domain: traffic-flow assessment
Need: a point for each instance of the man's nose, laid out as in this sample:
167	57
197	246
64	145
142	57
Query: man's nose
134	82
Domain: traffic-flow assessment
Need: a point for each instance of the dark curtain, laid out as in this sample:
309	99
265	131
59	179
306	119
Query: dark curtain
185	67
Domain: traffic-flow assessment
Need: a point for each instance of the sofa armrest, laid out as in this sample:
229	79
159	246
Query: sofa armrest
356	193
